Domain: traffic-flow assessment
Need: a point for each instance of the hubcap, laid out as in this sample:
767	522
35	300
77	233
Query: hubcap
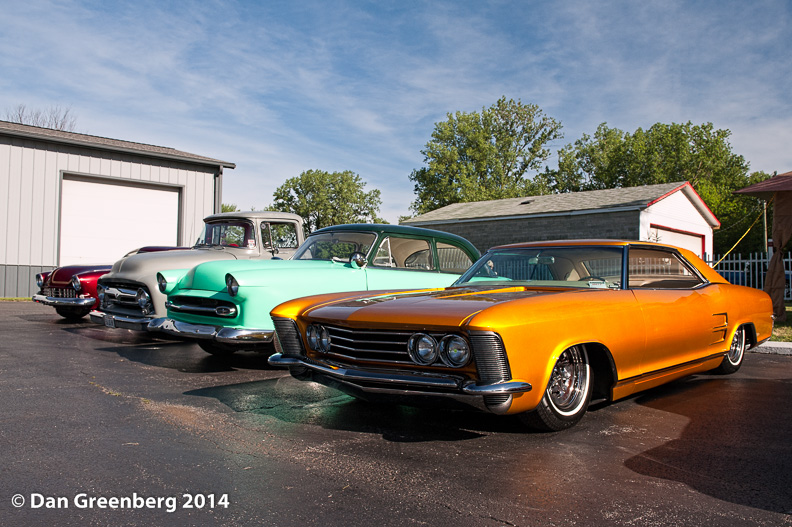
737	347
569	380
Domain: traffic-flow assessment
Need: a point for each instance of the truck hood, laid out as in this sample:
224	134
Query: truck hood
452	306
136	266
210	276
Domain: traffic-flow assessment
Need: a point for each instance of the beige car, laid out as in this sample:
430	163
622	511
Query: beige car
128	295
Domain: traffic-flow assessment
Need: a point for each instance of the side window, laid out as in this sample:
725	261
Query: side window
452	259
284	235
404	253
659	269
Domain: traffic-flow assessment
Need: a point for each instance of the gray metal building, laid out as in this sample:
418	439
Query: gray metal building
68	198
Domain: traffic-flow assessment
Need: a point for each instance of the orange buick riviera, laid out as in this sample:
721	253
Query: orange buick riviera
534	329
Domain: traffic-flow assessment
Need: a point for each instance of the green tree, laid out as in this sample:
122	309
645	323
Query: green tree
228	207
480	156
328	198
666	153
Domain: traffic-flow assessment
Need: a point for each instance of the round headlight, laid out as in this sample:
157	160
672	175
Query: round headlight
231	285
162	284
142	298
318	338
40	280
100	292
422	349
454	351
75	283
324	339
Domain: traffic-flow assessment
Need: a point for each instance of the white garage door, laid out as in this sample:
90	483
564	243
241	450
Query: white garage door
101	222
690	241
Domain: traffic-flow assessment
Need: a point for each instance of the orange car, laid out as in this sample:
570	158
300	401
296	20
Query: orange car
535	329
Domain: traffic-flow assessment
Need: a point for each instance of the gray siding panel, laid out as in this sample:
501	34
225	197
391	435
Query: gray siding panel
30	176
489	233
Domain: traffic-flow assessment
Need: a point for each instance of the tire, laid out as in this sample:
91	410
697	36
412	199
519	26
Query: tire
567	395
72	313
218	350
734	357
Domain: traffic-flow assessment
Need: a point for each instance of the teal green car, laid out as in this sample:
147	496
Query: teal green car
225	305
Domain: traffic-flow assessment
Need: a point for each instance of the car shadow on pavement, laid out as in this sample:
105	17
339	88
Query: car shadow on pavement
735	447
188	357
293	401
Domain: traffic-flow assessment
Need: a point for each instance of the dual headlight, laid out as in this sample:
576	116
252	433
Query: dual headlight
452	350
318	338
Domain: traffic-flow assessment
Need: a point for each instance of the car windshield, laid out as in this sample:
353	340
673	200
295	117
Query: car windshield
590	267
235	233
335	245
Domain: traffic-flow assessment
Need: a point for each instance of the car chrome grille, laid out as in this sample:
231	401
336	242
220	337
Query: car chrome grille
122	296
202	306
59	292
371	345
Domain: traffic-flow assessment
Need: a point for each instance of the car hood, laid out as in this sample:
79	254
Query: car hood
62	275
210	276
452	306
147	264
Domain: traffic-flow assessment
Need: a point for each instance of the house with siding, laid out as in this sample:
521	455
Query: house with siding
671	213
69	198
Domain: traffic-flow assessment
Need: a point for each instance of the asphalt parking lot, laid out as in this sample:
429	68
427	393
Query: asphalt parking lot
178	437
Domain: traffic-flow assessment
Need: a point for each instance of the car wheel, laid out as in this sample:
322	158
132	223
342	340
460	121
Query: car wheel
72	313
734	357
219	350
567	395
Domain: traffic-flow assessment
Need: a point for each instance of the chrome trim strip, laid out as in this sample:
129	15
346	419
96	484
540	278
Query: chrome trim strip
426	380
65	301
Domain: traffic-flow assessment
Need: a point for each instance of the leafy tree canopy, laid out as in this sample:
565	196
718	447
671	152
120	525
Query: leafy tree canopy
666	153
481	156
328	198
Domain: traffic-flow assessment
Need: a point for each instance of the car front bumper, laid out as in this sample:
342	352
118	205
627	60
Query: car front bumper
63	302
119	321
242	337
405	385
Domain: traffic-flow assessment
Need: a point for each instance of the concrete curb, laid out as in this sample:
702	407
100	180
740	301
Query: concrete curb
774	348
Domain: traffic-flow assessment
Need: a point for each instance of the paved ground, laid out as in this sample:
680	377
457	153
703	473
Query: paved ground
94	413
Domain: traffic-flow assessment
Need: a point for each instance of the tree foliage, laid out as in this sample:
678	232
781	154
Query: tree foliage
55	117
481	156
228	207
666	153
324	198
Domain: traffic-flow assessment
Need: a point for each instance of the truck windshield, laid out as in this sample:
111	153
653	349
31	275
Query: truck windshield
235	233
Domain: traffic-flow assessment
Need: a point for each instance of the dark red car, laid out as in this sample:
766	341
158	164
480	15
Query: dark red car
71	289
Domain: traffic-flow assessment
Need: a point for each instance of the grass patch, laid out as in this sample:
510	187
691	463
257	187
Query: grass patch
22	299
782	331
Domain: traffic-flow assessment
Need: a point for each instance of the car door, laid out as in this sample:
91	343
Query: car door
683	314
402	262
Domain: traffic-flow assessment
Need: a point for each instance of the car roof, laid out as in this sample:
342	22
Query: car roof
561	243
258	214
403	229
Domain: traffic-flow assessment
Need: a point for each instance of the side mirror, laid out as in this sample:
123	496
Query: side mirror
358	260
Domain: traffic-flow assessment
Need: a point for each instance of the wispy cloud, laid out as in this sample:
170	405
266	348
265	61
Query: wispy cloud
282	87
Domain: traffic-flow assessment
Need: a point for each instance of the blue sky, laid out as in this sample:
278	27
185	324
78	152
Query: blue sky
283	87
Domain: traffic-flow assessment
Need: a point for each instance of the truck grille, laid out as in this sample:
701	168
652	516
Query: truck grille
122	297
59	292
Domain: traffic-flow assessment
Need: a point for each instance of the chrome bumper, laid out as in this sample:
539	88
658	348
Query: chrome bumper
63	302
404	384
205	332
119	321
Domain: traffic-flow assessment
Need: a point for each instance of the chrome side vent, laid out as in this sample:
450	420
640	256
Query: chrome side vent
287	337
492	363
